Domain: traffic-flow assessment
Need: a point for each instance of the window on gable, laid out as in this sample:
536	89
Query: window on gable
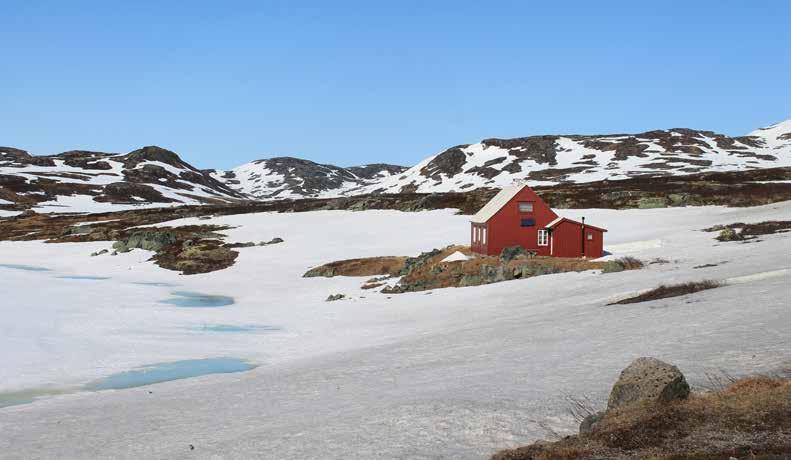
525	206
543	237
527	222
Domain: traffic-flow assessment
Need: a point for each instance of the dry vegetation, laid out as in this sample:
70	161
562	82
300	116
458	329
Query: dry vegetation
624	263
428	271
670	290
749	418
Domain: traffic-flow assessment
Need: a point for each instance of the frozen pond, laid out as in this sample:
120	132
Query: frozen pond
84	277
155	284
29	268
15	398
164	372
235	328
198	300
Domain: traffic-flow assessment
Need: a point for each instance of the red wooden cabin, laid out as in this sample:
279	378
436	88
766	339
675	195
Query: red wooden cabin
516	216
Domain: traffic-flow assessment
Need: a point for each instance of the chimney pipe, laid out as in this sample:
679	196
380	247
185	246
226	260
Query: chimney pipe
583	236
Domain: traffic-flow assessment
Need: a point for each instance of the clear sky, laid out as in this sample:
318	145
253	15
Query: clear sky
347	82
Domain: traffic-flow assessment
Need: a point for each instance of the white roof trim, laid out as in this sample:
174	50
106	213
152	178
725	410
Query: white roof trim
495	204
554	222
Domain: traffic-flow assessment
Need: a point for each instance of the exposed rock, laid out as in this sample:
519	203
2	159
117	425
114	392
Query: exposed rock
589	422
729	234
145	239
201	257
275	240
413	263
98	253
248	244
334	297
649	380
512	252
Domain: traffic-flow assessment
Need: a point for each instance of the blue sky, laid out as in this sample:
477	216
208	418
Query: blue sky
347	82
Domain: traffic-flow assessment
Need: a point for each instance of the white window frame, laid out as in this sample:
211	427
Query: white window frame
527	203
590	236
483	237
543	237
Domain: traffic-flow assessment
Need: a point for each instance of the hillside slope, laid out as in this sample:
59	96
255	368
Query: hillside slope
287	177
553	159
152	176
90	181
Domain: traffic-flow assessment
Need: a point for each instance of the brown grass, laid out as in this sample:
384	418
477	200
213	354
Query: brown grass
670	290
630	263
751	416
369	266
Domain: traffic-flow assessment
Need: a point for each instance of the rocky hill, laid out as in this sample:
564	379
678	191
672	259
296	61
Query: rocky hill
286	177
152	176
554	159
94	181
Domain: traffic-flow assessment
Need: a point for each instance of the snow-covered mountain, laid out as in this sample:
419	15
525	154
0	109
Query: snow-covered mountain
98	181
286	177
552	159
152	176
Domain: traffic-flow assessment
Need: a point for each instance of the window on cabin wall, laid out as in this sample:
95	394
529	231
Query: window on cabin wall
483	237
543	237
525	206
590	236
527	222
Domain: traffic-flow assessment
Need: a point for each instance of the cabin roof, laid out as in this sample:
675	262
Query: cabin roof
495	204
557	221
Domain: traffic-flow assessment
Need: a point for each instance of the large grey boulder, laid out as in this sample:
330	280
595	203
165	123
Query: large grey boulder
648	379
514	252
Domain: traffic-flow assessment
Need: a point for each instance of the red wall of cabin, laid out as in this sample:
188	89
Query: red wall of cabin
567	241
504	228
594	248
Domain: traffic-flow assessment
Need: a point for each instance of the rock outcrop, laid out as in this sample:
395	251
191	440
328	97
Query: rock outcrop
648	380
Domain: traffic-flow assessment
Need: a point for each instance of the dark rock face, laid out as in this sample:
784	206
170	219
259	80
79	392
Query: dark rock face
376	170
649	380
449	163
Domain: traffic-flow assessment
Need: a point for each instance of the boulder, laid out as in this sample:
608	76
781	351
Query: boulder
729	234
148	240
334	297
512	252
649	380
590	421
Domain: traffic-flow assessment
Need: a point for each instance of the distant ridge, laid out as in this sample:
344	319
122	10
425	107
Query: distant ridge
153	176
